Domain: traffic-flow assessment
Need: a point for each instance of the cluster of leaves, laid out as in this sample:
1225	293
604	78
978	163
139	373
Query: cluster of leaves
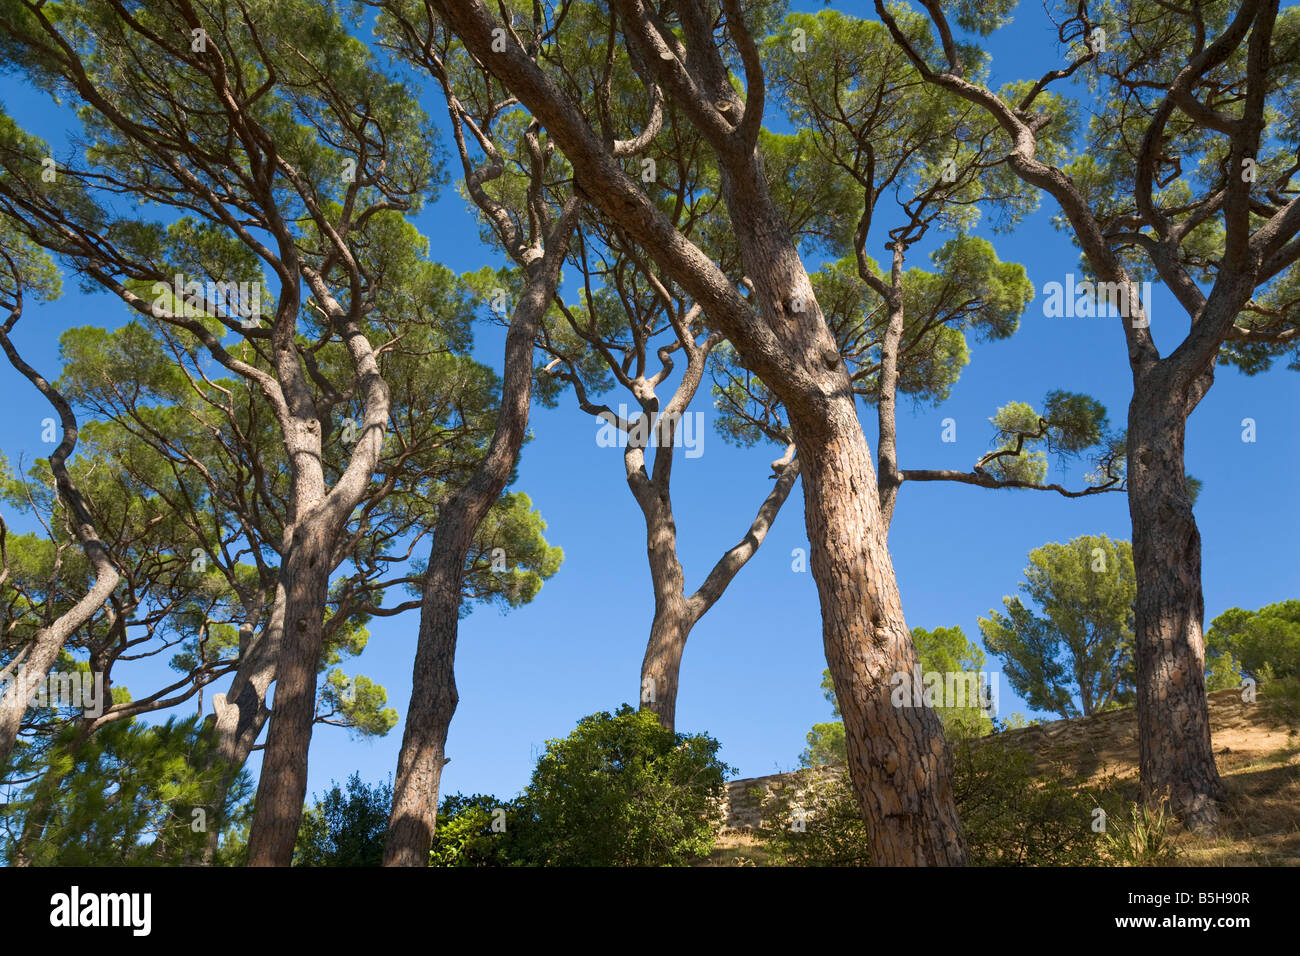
1016	814
620	790
1263	644
130	794
346	827
1076	656
1068	425
474	831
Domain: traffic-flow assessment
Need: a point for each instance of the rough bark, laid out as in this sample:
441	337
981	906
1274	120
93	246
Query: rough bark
317	517
282	784
1176	758
240	714
433	682
898	761
672	621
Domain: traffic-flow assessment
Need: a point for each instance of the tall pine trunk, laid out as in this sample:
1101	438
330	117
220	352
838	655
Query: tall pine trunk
673	620
240	714
1176	758
898	761
434	698
282	784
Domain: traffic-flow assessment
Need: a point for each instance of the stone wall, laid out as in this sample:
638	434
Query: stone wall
745	797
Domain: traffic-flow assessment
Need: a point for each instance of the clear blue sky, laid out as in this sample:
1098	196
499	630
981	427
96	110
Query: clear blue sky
752	667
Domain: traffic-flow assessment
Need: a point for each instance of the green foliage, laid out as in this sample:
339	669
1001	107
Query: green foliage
129	795
1264	644
1012	421
1077	655
357	702
347	827
1222	670
981	17
1069	424
947	650
826	744
469	832
1281	701
622	791
1014	814
1141	837
1016	721
512	534
814	820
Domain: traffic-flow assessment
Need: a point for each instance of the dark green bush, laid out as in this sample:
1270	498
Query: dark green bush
345	828
473	831
621	791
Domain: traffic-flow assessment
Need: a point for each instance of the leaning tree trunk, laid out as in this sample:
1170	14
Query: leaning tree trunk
899	765
890	479
897	757
282	783
898	761
1176	758
433	693
240	714
48	642
672	621
433	683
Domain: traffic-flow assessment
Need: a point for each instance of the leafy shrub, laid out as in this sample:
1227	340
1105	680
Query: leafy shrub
1013	815
132	794
345	829
465	833
621	791
1281	700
